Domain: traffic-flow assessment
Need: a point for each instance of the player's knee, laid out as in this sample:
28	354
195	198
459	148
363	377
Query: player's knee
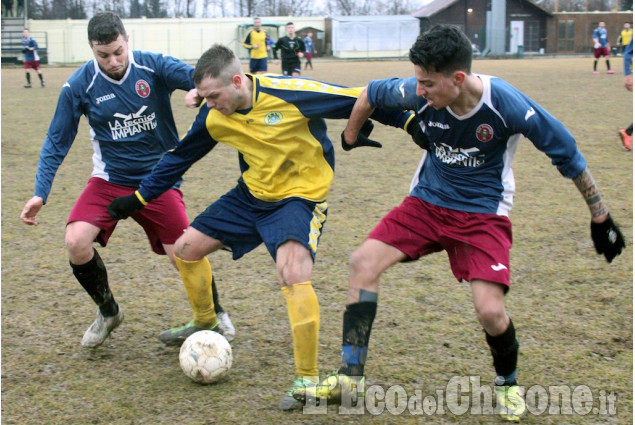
79	248
492	318
362	265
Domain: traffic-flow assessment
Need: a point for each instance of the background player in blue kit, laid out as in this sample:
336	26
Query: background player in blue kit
459	200
287	163
31	58
601	47
125	96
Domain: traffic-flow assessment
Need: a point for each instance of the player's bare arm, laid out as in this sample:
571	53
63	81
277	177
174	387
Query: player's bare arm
591	194
360	113
30	210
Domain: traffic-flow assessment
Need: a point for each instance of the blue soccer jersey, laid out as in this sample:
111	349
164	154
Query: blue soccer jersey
601	35
131	121
469	164
284	149
30	55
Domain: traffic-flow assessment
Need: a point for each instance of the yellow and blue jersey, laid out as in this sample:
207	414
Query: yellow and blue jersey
260	38
284	150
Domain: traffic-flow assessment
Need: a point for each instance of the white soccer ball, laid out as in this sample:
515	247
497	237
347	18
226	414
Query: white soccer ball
206	357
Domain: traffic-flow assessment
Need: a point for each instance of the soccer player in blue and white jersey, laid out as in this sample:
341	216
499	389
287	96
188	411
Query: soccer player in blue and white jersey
31	58
459	200
125	95
287	162
601	47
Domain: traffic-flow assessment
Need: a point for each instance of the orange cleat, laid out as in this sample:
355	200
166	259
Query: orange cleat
626	139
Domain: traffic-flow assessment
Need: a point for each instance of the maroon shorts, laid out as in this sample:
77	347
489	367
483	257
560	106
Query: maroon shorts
602	51
32	64
308	56
477	244
163	219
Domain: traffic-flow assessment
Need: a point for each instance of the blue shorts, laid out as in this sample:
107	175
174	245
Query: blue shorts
242	222
257	65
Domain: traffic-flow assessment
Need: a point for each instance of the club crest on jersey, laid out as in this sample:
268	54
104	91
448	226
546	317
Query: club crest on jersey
143	88
273	118
484	133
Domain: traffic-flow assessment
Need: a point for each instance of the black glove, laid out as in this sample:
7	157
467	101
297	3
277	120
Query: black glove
362	138
25	50
607	238
124	206
419	137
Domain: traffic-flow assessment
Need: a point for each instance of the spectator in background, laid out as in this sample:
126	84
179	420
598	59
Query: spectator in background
31	58
8	7
627	134
20	8
625	37
257	41
601	47
310	50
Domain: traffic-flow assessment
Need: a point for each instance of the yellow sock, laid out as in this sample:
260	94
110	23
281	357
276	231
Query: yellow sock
197	279
304	317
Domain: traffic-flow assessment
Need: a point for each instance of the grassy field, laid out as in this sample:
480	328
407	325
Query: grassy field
573	311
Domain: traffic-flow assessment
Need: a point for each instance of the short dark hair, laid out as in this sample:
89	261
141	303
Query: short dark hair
217	62
444	49
290	23
105	27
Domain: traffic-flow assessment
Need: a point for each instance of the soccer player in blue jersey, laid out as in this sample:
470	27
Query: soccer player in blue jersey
31	58
125	95
276	124
459	201
601	47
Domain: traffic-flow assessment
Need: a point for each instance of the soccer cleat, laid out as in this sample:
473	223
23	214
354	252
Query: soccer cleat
27	86
43	83
610	71
97	333
596	72
334	388
289	402
626	139
176	336
226	326
510	401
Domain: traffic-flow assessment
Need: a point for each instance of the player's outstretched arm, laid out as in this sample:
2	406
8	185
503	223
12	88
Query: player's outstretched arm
362	138
362	110
30	210
606	234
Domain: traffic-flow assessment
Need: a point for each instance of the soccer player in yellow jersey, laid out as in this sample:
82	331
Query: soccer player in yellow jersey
287	161
256	42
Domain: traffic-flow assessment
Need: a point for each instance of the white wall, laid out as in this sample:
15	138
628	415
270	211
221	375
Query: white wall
374	36
183	38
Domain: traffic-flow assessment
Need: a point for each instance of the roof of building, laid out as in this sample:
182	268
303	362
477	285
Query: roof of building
437	6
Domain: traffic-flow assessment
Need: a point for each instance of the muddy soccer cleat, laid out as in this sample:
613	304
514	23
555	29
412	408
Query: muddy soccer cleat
226	326
176	336
510	402
97	333
288	401
335	388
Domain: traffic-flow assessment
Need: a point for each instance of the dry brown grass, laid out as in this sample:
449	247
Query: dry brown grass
573	311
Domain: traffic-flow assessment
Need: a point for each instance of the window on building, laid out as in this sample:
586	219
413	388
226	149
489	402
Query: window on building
565	36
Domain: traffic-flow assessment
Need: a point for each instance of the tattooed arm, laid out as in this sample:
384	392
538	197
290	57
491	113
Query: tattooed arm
606	235
591	194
